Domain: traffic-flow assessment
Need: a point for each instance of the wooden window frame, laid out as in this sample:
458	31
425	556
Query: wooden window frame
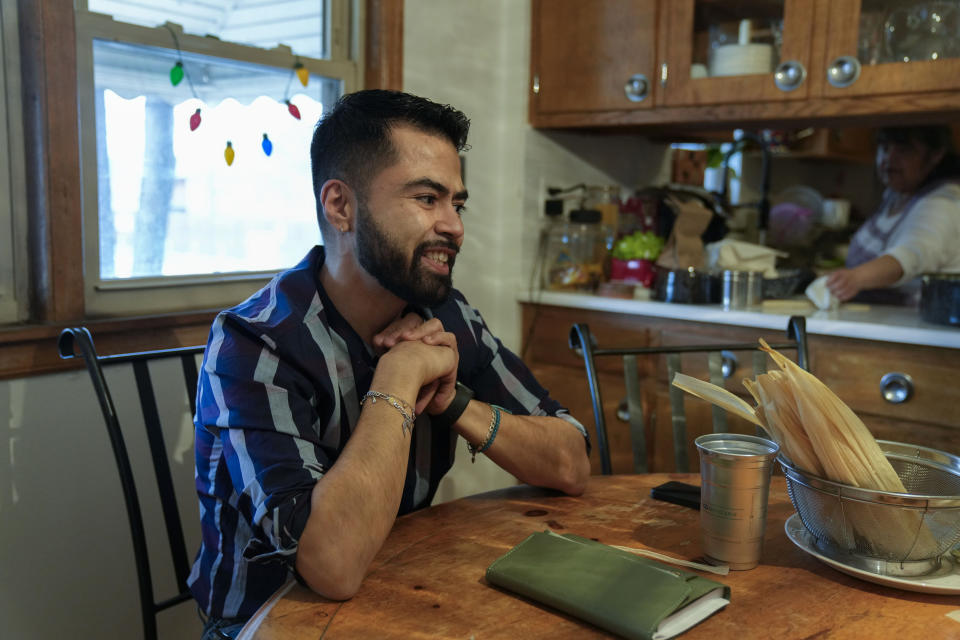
12	193
54	191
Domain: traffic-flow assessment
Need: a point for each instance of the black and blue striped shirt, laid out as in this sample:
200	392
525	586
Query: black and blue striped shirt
280	388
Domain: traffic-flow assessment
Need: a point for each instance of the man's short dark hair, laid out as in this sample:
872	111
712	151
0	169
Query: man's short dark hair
352	142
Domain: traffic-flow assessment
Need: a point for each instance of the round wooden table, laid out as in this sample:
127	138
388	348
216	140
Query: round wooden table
428	579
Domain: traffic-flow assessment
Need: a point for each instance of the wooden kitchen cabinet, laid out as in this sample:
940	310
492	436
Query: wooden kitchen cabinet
582	54
925	57
687	25
852	368
585	53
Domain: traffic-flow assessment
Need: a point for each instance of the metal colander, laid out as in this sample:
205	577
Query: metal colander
920	525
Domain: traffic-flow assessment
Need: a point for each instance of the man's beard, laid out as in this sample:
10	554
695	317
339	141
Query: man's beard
385	261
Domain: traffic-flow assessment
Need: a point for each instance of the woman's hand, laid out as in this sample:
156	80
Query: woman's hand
881	272
844	284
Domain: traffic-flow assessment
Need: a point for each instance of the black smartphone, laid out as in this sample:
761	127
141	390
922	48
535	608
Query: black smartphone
687	495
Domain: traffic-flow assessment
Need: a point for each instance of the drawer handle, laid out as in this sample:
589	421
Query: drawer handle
728	364
896	388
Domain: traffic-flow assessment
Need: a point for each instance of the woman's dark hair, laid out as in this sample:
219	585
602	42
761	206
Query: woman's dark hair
352	142
933	137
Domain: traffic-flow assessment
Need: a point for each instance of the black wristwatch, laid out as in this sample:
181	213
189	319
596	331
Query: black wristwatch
456	408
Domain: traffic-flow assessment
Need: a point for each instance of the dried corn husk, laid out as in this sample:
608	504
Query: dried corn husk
822	436
777	404
810	412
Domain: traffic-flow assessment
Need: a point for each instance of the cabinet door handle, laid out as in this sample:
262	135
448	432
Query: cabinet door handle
536	84
789	75
896	388
843	71
728	364
636	88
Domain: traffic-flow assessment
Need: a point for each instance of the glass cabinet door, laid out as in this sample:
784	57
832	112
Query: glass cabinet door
877	47
736	51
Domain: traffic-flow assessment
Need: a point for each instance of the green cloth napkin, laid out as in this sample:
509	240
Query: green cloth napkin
631	596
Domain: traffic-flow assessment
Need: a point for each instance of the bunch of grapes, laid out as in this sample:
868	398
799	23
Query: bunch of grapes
640	245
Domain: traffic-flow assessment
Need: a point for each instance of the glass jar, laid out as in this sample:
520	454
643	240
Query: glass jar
606	200
577	252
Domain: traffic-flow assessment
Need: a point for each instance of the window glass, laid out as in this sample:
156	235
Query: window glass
300	24
169	202
195	166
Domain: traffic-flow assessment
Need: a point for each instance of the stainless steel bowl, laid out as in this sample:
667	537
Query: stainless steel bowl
910	529
686	286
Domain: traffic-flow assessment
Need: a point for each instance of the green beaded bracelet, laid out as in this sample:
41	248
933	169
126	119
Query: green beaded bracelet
491	433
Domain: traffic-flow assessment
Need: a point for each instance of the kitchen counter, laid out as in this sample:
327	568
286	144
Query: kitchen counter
882	323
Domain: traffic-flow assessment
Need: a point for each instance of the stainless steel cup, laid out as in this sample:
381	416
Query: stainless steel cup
734	485
742	289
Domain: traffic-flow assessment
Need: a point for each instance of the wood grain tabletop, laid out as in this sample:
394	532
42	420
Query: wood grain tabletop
428	579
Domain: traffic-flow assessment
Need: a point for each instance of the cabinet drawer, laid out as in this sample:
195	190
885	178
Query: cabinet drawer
546	330
935	436
853	369
686	333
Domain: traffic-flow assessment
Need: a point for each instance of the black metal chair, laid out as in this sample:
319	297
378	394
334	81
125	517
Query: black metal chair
720	361
74	340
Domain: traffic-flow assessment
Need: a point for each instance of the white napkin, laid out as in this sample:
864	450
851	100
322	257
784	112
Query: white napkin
743	256
819	294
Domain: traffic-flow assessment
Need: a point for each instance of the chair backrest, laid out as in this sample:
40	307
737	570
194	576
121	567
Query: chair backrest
77	341
719	357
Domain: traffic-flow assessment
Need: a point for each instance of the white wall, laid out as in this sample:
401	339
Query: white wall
66	560
66	564
475	56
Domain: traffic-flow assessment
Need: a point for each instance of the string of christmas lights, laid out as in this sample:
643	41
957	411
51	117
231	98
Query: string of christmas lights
178	72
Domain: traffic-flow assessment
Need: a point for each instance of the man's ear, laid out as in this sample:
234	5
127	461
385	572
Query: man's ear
339	204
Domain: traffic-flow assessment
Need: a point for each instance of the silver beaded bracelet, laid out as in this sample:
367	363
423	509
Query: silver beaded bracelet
405	410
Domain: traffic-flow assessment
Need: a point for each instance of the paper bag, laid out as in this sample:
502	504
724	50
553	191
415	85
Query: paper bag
684	248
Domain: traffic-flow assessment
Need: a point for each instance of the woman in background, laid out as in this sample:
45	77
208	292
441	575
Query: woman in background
917	228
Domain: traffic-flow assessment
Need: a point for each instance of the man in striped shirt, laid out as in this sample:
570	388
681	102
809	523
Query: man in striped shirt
331	400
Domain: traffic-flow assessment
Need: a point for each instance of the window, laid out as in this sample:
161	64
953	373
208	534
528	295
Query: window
195	142
12	195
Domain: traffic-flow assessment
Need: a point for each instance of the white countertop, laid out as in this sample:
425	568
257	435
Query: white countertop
884	323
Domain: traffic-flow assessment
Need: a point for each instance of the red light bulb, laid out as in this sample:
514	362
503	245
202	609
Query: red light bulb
292	108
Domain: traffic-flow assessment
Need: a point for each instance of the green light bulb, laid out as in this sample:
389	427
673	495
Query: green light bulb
176	73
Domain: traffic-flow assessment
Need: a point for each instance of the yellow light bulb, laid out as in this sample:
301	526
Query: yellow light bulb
302	73
228	153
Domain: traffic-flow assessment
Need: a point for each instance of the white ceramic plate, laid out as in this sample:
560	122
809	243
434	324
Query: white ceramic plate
945	580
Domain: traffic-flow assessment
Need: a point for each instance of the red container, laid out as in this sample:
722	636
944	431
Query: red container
632	271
